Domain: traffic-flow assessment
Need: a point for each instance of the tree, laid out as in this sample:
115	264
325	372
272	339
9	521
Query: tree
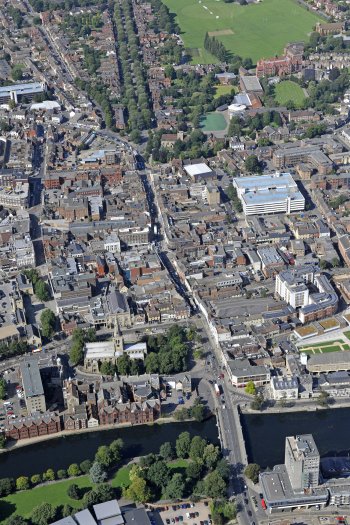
250	388
43	514
15	519
35	479
85	466
61	474
215	485
223	468
211	456
258	402
198	411
252	164
324	265
73	470
175	488
2	388
166	451
194	469
103	492
197	448
17	72
183	444
49	475
73	491
116	450
159	473
41	290
67	510
48	323
97	473
104	456
7	485
123	365
323	398
22	483
335	262
107	369
76	354
138	490
252	472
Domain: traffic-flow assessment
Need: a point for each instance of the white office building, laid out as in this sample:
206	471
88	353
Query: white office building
277	193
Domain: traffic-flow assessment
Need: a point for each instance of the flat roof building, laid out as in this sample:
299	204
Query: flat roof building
277	193
16	91
241	372
32	385
302	461
328	362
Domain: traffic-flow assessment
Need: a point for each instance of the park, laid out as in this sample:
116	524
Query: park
258	30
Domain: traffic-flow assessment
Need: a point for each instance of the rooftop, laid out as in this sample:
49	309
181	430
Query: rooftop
31	377
197	169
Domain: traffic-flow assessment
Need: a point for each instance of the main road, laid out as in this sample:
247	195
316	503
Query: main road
227	405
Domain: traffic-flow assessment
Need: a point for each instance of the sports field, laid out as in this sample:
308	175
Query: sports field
213	122
255	30
288	90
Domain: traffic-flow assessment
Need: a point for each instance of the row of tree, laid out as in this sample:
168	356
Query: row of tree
135	93
215	47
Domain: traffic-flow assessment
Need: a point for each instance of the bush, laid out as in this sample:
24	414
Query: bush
22	483
85	466
7	485
49	475
62	474
35	479
73	491
73	470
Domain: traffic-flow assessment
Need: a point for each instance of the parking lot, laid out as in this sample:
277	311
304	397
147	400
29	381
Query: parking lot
14	404
184	513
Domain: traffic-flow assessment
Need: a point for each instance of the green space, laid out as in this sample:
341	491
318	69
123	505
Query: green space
24	502
251	31
347	334
223	90
213	122
289	91
326	349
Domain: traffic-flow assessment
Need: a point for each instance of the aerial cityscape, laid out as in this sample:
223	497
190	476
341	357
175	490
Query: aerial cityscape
174	262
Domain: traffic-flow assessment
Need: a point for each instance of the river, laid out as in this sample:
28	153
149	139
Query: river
265	434
60	452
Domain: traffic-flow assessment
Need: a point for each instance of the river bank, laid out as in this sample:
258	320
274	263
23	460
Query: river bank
299	406
61	450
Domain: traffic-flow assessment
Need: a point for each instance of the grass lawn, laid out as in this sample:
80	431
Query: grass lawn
255	31
347	334
178	463
289	90
326	349
24	502
213	122
346	346
223	90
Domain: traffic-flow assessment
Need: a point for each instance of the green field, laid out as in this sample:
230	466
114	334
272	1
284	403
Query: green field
223	90
288	90
256	31
213	122
56	493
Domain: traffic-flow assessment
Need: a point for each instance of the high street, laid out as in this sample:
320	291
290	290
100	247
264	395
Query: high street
227	421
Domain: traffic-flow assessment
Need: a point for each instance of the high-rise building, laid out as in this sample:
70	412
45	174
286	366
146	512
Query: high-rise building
302	461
